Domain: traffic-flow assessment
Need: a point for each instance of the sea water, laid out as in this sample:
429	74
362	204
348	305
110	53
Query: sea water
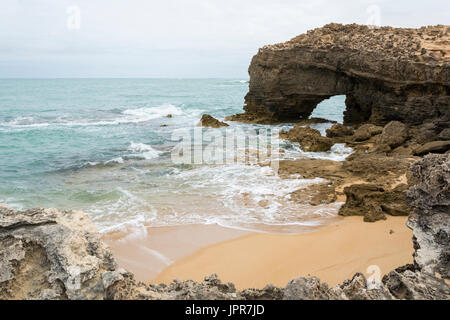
104	146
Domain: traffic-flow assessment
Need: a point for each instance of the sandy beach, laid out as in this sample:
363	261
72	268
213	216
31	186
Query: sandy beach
149	253
334	253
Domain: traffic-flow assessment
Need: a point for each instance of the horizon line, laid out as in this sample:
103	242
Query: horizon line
100	78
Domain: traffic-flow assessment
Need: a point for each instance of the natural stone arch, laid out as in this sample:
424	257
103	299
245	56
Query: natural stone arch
386	73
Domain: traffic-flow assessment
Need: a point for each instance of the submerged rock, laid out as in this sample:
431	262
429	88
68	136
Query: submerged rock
209	121
310	139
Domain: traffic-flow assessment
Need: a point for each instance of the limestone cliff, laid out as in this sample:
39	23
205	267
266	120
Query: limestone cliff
386	73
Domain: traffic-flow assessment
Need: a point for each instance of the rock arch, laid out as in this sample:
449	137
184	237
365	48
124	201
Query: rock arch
386	73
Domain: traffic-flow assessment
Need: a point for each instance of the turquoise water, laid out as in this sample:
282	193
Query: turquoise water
104	145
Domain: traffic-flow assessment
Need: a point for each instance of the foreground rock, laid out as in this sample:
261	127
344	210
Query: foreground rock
386	73
47	254
430	220
209	121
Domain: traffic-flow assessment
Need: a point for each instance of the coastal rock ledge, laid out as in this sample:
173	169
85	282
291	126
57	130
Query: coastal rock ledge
386	73
50	254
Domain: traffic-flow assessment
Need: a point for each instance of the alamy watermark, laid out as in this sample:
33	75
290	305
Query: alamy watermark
374	16
227	146
73	18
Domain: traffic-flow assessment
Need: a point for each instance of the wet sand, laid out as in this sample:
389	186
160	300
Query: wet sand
147	254
333	253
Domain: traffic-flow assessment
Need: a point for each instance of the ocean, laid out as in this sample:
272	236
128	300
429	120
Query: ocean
105	146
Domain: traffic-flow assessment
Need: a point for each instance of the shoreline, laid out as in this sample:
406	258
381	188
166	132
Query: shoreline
333	253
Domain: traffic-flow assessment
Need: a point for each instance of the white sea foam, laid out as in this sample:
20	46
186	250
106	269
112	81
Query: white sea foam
115	160
338	152
145	150
131	115
146	114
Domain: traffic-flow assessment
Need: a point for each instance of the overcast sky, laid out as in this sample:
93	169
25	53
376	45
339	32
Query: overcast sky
174	38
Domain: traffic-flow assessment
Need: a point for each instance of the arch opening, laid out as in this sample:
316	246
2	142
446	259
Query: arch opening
331	109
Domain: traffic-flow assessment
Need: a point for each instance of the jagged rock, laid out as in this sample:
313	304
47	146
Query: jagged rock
310	139
355	289
269	292
433	147
414	285
366	131
339	130
209	121
386	73
308	289
393	135
430	220
46	254
373	202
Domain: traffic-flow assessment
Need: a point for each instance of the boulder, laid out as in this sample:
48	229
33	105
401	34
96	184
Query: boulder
310	139
339	130
433	147
394	134
209	121
366	131
374	202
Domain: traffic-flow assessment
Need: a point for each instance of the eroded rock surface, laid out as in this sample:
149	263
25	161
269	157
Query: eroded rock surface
386	73
373	202
47	254
430	220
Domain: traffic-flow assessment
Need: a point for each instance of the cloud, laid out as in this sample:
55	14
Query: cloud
175	37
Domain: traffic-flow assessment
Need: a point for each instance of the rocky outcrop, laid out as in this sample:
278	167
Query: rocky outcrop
209	121
430	219
386	73
47	254
373	202
310	140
